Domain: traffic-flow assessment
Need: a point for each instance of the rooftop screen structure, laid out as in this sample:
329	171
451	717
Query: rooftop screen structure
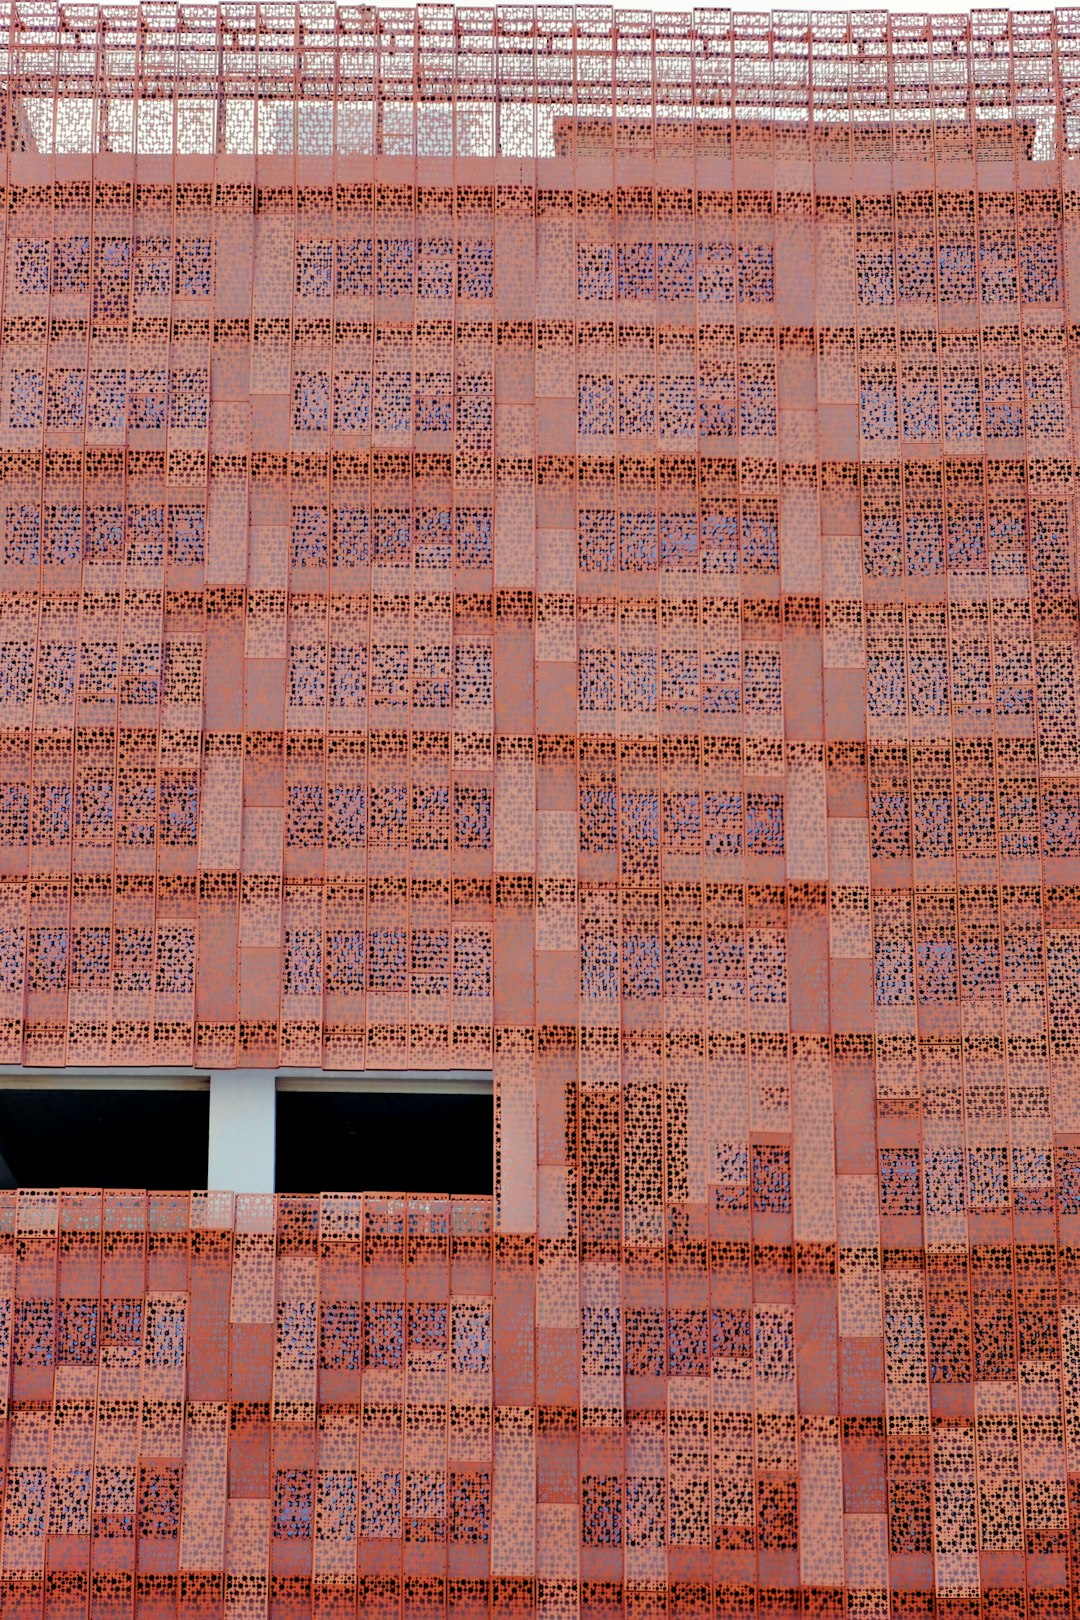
544	543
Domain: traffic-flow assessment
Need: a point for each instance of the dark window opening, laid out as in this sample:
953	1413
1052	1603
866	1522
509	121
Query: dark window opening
384	1141
153	1139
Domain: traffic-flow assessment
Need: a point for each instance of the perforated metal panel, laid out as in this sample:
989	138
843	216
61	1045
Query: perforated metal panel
544	541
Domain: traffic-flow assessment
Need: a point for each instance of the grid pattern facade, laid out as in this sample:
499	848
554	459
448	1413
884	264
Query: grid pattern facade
544	542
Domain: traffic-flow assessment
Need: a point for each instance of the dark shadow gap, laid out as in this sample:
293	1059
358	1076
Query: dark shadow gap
384	1142
91	1138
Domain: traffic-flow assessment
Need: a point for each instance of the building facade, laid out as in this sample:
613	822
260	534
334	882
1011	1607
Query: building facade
543	545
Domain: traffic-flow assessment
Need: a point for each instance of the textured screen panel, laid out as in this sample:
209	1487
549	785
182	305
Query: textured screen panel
532	545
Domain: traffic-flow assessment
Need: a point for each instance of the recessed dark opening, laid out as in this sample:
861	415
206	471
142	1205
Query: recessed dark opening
384	1142
152	1139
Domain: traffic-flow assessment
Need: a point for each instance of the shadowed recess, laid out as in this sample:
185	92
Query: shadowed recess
383	1142
151	1139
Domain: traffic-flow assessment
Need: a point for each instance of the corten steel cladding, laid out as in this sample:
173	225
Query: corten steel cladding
543	543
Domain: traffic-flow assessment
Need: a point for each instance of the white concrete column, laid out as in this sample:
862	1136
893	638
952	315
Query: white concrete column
241	1131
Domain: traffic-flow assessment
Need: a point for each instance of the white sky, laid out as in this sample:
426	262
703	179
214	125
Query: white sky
938	8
